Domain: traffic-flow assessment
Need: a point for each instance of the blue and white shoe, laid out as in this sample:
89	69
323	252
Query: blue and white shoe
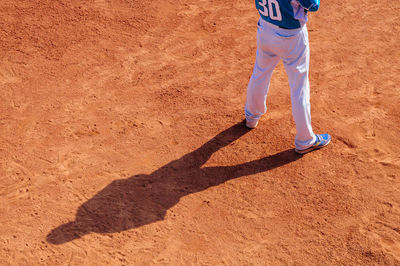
321	141
251	124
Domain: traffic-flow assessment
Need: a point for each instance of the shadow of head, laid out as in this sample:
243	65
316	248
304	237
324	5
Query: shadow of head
65	233
122	205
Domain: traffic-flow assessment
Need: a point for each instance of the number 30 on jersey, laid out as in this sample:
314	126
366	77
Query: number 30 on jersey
270	8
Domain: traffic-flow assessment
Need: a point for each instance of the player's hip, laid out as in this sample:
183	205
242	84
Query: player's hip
272	29
280	41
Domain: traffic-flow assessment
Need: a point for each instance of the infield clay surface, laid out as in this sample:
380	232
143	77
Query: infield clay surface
122	141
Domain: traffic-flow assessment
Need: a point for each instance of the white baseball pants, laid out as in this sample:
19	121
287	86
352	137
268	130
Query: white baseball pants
274	44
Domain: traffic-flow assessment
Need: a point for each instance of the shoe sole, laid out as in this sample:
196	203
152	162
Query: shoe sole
311	148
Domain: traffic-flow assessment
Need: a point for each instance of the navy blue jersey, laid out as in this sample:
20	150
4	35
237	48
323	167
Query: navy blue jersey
289	14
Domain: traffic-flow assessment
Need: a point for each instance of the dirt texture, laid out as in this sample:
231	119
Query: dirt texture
122	139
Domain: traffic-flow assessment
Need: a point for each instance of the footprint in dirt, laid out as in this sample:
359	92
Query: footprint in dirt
8	74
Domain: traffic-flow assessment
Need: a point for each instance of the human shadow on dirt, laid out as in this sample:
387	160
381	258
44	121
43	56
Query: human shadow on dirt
144	199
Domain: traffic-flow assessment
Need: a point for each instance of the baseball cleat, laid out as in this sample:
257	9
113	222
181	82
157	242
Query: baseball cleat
321	141
251	124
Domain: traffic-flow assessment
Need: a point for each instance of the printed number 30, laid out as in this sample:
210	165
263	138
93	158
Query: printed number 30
271	4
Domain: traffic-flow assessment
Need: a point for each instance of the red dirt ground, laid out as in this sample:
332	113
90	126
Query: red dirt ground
122	141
